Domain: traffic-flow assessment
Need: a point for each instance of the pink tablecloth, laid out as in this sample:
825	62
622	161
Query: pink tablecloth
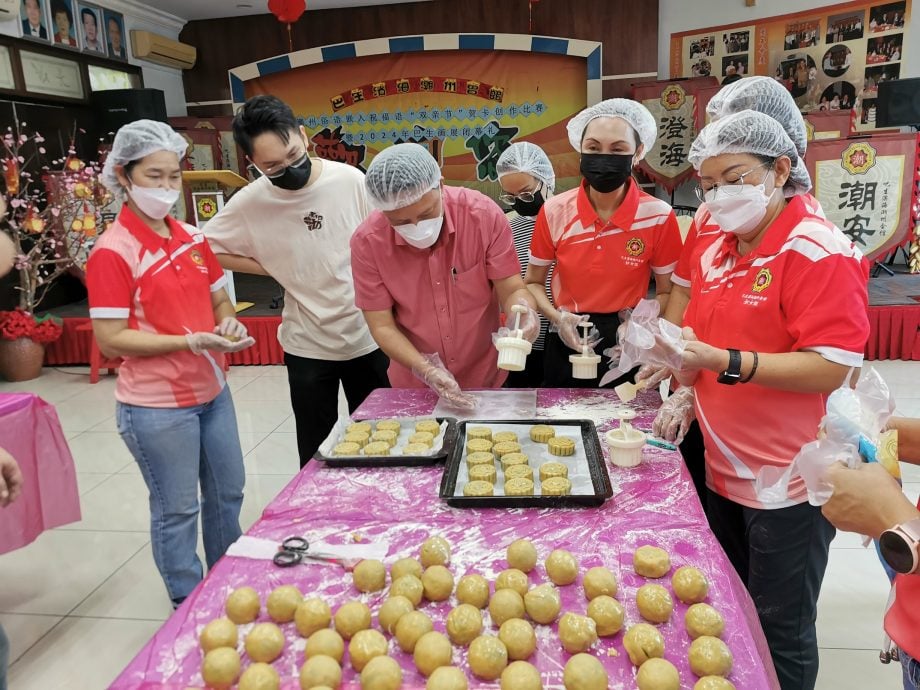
652	504
31	433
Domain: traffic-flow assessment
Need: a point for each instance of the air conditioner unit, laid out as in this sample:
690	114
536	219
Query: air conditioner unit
161	50
9	9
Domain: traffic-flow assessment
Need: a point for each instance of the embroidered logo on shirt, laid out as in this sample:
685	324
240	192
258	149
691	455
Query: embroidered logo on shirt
196	256
313	221
635	246
763	280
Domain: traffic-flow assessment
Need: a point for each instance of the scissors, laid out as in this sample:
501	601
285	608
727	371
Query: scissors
294	550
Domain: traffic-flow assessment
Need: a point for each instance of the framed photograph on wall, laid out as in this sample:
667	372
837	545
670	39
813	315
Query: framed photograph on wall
63	26
115	34
92	34
33	16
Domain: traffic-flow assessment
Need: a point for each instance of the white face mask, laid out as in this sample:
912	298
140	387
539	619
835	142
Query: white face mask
154	202
423	234
741	211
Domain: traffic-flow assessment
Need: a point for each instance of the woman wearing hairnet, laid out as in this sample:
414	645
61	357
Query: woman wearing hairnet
604	238
777	318
526	176
157	300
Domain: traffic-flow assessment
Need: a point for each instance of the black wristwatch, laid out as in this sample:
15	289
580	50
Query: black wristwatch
732	375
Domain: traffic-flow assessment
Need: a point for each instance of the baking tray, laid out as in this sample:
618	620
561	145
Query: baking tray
450	436
455	472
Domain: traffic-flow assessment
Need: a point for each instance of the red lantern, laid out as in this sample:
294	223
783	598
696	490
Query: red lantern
287	11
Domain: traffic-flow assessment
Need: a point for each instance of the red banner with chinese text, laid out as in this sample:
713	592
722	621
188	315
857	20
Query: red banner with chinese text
829	124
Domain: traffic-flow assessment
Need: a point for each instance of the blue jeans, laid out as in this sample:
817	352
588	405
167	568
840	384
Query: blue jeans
4	657
911	670
176	449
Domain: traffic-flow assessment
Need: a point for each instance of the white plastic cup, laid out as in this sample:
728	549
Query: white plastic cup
584	366
512	353
625	448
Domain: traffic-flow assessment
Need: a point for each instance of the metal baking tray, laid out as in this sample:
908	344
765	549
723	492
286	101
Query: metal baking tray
588	452
450	436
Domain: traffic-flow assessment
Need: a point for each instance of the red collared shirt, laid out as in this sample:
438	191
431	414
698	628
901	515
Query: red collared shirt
160	285
442	297
602	267
803	288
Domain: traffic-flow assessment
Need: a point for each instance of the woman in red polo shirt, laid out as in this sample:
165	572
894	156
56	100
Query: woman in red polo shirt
157	299
605	238
777	317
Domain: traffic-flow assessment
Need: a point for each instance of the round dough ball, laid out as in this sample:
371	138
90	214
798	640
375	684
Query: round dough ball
352	617
584	672
474	590
220	632
325	642
690	585
312	615
282	603
520	675
437	583
264	642
410	628
381	673
408	586
519	639
709	656
505	605
320	670
243	605
608	614
543	603
714	683
562	567
643	642
522	554
488	657
260	676
512	578
599	581
364	646
435	551
432	651
650	561
447	678
577	633
702	619
221	667
655	603
370	576
392	610
658	674
405	566
464	624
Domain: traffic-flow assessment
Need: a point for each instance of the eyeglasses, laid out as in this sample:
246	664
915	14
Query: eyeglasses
732	185
277	171
526	197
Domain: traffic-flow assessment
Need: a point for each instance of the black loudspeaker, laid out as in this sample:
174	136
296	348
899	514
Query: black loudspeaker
120	106
898	103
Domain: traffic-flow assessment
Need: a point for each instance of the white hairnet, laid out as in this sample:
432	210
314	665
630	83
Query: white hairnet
524	157
400	175
136	140
767	96
750	132
636	114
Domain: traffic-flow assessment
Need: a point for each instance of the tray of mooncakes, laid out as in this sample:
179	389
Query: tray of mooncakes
535	463
392	442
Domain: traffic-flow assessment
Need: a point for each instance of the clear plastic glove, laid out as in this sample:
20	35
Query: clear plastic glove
650	375
201	341
567	328
230	326
674	416
441	381
530	322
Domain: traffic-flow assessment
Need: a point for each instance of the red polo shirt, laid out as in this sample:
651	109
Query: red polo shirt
442	297
602	267
803	288
160	285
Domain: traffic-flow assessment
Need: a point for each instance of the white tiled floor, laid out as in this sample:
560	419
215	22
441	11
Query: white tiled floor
93	586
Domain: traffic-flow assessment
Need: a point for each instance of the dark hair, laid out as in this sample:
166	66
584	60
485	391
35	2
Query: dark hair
87	11
261	114
58	6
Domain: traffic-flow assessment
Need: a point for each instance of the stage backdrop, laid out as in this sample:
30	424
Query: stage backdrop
829	59
466	98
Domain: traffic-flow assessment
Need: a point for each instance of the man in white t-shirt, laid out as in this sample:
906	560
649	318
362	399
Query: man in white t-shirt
295	223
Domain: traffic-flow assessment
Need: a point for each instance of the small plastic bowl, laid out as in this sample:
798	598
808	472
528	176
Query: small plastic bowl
625	451
512	353
584	366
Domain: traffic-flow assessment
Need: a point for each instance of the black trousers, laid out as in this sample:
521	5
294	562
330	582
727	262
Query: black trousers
781	556
558	369
532	374
694	453
315	393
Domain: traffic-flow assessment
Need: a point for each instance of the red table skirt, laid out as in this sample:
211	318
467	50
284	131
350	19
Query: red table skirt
893	333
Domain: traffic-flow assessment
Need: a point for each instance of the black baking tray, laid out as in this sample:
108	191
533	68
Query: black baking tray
447	449
598	468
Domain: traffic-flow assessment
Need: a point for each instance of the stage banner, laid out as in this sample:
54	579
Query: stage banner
868	188
675	106
829	124
465	106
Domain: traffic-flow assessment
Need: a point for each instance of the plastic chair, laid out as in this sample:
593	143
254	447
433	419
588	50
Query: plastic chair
96	360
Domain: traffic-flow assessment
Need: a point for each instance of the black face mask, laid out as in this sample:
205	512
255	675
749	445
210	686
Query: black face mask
529	208
606	172
294	177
